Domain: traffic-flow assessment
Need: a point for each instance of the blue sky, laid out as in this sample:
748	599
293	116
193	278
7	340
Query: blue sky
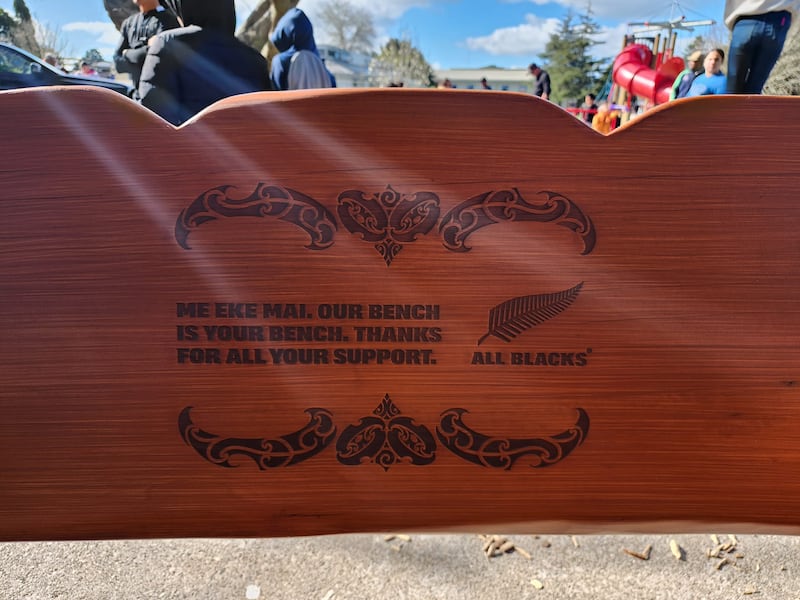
450	33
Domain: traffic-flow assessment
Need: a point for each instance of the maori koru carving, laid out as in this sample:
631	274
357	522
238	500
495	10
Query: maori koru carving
502	452
284	451
509	205
386	438
387	219
265	201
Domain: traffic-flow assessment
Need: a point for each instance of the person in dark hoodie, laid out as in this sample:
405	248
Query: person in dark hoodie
190	68
136	31
294	39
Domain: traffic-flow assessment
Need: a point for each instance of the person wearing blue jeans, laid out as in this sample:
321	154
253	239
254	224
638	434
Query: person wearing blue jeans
759	29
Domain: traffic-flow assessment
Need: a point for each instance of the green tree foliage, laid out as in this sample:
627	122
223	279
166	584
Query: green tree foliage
697	44
400	62
348	26
568	59
19	30
93	56
6	24
21	10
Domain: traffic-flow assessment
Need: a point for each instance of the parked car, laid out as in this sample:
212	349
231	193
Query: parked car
21	69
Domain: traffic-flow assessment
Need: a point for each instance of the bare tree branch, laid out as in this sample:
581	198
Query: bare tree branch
348	26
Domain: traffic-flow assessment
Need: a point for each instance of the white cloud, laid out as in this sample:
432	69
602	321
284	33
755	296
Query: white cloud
384	13
104	32
382	10
615	9
528	39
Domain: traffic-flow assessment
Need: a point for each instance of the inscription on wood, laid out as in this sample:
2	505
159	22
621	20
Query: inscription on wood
387	220
345	311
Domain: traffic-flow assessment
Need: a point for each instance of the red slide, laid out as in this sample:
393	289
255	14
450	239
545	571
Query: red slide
632	71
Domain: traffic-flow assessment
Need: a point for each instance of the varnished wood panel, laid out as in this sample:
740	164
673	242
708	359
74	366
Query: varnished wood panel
514	321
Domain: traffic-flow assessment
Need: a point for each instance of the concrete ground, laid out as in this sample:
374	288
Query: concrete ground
413	566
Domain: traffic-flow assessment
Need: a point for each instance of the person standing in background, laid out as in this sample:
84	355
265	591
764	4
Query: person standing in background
759	29
541	81
52	60
589	108
685	78
190	68
298	64
136	31
87	70
712	80
605	119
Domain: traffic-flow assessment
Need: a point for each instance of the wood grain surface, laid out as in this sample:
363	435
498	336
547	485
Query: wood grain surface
343	311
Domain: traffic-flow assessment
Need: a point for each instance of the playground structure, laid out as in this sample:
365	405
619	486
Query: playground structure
647	66
640	71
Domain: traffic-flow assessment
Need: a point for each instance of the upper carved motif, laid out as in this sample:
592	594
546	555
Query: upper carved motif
387	219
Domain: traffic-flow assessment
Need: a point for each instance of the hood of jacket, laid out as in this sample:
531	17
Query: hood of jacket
294	32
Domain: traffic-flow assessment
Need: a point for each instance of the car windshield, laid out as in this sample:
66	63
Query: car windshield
13	62
16	60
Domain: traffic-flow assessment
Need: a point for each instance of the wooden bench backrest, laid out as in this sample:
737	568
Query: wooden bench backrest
341	311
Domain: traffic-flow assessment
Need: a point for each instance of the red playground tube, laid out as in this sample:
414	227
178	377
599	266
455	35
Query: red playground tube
632	72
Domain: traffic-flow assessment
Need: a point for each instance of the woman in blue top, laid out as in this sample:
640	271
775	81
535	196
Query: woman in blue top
712	81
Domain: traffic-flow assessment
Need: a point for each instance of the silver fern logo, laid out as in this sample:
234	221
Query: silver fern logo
509	319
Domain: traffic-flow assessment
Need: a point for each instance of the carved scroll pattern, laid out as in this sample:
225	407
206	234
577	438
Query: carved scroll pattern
385	438
502	452
285	451
491	208
266	201
387	219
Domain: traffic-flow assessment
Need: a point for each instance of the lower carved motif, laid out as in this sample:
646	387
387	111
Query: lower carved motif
386	438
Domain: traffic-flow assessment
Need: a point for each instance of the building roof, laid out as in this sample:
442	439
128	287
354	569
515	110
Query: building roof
521	76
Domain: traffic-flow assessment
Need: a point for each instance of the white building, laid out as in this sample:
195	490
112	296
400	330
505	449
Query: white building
351	69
